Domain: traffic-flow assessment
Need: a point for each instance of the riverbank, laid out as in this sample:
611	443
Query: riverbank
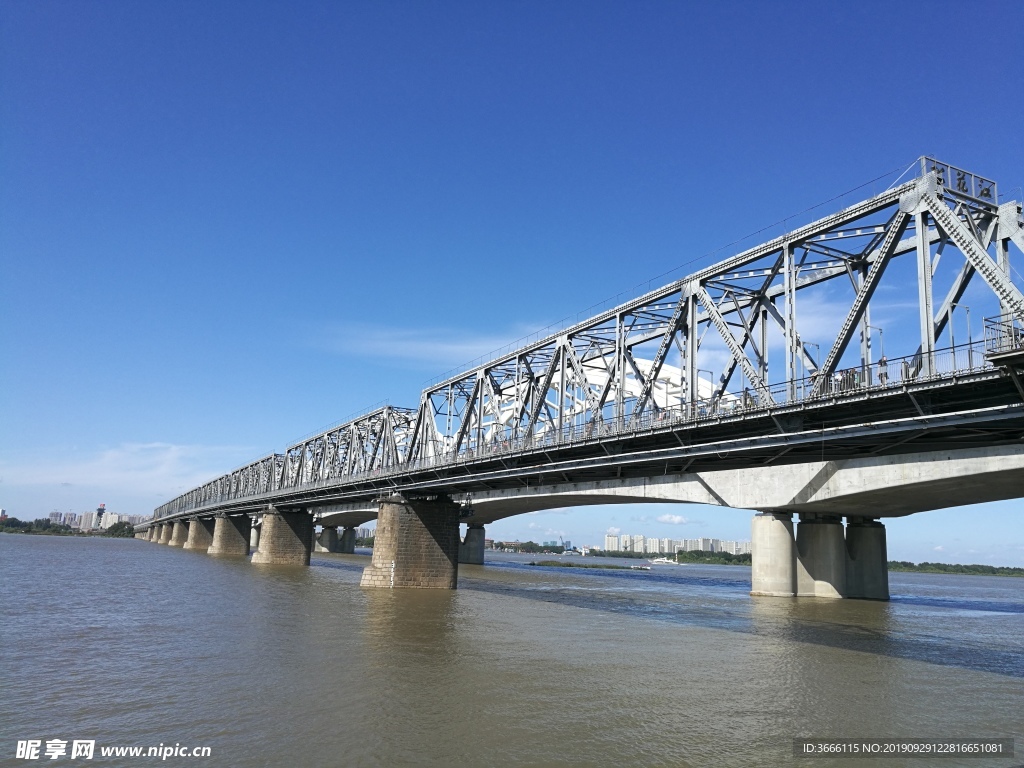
954	568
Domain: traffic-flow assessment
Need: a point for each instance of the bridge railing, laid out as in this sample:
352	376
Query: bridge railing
1004	333
880	376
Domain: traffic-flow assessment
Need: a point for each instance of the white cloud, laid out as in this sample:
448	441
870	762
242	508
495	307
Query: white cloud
673	519
546	531
152	469
437	347
613	531
939	548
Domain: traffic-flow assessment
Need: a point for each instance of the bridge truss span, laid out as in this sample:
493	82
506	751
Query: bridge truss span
757	340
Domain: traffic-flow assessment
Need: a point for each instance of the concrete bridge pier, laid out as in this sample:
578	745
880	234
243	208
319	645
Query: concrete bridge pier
773	555
179	533
230	535
471	548
150	533
200	534
821	562
867	562
416	544
347	545
328	540
821	556
254	535
286	538
166	531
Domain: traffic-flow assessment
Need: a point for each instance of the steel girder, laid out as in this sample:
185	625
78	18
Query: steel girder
640	362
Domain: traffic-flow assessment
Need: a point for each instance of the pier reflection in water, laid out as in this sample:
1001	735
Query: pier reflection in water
521	666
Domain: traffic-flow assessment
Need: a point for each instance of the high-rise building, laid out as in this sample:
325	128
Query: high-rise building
625	543
70	518
638	542
611	543
55	517
653	546
667	546
109	519
87	521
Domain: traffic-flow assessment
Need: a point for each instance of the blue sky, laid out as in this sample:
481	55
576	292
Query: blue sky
224	225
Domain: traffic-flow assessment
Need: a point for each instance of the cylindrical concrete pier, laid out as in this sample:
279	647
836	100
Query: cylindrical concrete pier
328	540
347	545
230	535
179	533
773	555
867	564
471	549
416	544
821	557
200	534
254	536
286	538
166	531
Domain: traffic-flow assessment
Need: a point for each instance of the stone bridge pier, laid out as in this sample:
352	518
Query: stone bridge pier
200	534
286	538
821	560
416	544
230	535
179	533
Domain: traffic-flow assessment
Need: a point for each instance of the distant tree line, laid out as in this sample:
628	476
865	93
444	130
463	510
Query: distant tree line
971	570
42	525
365	542
530	547
47	527
712	558
619	553
121	530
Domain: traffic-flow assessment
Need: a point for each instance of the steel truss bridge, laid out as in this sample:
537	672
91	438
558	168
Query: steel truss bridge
621	394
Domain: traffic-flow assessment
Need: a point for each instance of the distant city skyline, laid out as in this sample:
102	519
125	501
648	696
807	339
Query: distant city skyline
87	520
637	542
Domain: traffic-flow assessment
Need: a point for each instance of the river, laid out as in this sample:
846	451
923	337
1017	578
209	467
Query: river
125	643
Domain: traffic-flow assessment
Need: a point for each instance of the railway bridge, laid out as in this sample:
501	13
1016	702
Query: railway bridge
818	374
